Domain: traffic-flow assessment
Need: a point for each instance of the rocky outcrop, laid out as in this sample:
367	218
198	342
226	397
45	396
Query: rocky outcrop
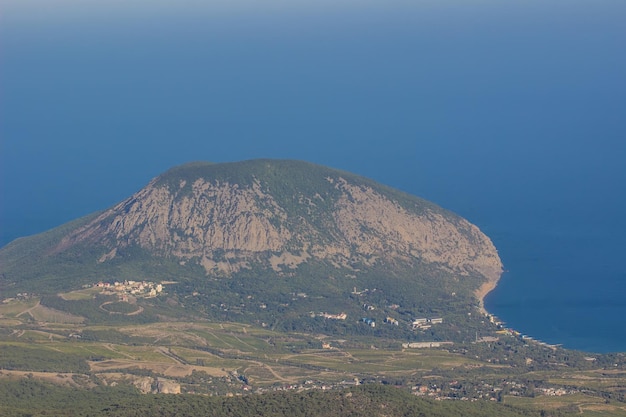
376	226
166	386
159	385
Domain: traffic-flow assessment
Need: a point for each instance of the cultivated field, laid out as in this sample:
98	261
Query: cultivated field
226	358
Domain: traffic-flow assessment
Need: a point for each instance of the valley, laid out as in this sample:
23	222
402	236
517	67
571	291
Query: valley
233	359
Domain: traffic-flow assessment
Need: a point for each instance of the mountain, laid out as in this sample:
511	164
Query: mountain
268	241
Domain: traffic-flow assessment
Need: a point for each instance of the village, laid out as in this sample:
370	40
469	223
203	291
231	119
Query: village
503	330
145	289
450	389
422	323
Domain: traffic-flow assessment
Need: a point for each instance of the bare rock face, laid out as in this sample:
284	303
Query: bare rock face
376	225
225	224
215	216
143	384
166	386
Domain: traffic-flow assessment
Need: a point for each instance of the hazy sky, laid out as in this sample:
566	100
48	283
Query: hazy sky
483	106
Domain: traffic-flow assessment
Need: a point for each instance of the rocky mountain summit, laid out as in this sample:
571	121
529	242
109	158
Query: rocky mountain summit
195	214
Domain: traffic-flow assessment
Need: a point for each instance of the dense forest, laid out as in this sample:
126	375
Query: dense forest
28	397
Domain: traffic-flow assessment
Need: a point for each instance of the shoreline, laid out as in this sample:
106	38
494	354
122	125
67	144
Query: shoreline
482	292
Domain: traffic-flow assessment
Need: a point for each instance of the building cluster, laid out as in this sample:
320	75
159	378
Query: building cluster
425	345
136	288
450	390
363	292
340	316
22	296
369	321
305	386
425	323
392	321
511	332
238	384
556	392
482	390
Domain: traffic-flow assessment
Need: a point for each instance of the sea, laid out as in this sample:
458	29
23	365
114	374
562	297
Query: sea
511	114
564	283
563	248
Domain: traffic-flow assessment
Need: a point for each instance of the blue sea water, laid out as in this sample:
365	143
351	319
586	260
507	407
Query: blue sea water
511	114
564	284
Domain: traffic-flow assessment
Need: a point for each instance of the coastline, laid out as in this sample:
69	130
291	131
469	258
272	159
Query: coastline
482	292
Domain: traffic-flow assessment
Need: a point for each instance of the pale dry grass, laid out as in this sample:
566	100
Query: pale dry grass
165	368
50	315
16	307
84	294
59	378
